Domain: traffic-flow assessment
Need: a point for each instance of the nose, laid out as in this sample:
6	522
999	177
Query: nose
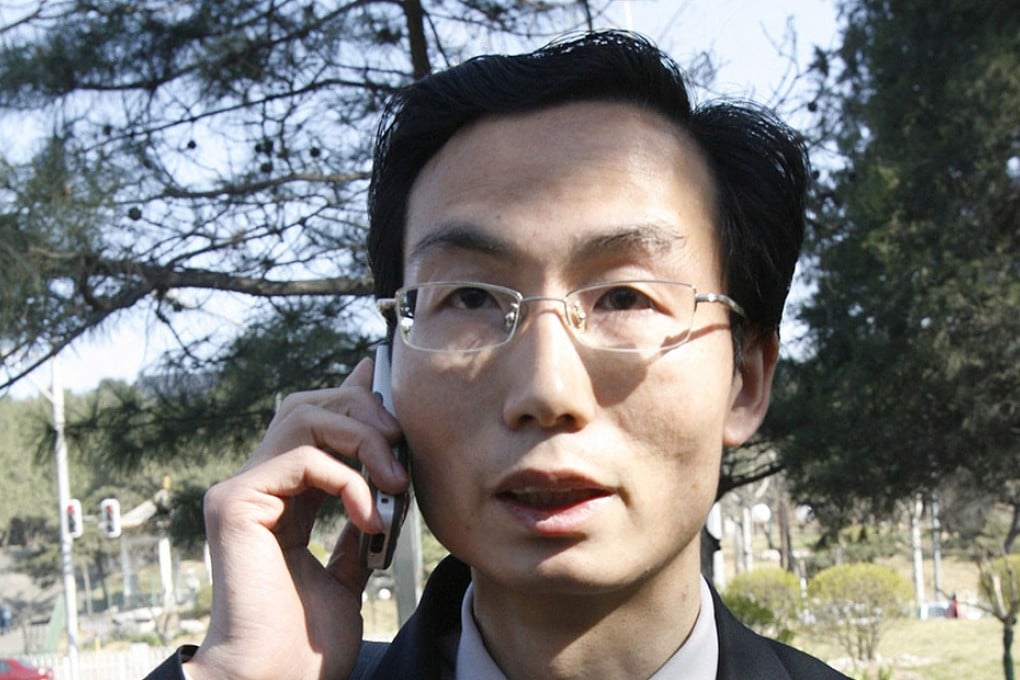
548	383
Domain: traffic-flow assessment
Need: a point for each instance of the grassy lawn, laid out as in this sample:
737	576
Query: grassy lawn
940	649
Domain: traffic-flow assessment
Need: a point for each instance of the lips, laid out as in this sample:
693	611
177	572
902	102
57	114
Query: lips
550	498
553	504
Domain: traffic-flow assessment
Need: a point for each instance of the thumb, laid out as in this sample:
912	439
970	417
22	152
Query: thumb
345	564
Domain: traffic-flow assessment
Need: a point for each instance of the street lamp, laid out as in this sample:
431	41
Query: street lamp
56	398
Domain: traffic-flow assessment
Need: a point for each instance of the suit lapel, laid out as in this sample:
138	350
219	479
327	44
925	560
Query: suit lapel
743	655
418	650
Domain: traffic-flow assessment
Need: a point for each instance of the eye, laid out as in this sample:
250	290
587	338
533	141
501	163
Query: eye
470	298
623	298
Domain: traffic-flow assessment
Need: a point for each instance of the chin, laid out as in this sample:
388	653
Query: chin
566	570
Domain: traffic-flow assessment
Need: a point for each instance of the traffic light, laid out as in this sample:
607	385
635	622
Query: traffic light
75	526
109	517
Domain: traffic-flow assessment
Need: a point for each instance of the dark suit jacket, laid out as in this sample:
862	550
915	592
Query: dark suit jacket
418	650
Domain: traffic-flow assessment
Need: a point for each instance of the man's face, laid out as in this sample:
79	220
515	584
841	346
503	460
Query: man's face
545	464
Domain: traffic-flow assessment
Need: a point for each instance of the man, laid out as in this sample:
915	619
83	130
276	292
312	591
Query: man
584	279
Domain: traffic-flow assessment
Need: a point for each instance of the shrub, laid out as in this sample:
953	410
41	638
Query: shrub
854	602
767	600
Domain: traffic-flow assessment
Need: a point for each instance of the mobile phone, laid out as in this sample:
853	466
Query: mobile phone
376	550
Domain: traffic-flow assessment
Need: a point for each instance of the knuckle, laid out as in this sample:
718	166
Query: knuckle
291	400
216	497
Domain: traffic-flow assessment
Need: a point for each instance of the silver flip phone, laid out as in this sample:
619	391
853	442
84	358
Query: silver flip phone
376	550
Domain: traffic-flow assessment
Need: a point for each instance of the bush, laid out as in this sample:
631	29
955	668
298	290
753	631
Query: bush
767	600
853	602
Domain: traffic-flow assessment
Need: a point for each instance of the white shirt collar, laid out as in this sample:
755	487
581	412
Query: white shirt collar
697	658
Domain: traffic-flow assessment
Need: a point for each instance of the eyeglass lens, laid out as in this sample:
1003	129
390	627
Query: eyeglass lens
621	315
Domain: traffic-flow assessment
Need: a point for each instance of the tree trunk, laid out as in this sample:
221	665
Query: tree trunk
1007	652
786	539
1014	530
416	38
916	513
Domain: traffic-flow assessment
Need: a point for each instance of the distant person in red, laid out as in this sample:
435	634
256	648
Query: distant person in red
953	610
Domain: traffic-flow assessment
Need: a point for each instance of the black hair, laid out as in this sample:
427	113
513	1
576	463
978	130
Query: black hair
759	164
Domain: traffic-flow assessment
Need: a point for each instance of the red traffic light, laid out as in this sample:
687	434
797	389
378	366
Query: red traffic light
75	526
109	517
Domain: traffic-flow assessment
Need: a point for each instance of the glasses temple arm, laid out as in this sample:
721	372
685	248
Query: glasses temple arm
724	299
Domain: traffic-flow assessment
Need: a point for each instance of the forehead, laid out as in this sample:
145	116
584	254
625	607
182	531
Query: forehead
573	181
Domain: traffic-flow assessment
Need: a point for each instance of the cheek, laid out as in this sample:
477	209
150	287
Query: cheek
434	473
679	475
443	403
434	415
427	492
681	406
443	492
676	427
678	467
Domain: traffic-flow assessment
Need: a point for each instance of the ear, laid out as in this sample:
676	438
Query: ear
752	388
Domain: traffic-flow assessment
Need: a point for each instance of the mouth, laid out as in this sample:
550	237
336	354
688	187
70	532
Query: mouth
551	498
554	505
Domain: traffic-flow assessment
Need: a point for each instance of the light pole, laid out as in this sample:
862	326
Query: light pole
56	398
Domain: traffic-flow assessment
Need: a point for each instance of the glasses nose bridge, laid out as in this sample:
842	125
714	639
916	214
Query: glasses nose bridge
570	315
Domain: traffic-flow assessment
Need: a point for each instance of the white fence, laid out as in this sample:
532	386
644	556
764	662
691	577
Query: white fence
131	663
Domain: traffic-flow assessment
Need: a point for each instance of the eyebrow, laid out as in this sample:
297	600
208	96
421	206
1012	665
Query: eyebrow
633	239
646	238
450	236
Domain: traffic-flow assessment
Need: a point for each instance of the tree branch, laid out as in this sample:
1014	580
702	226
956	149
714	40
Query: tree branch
252	187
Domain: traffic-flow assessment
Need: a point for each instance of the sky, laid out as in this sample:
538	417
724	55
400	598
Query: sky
741	35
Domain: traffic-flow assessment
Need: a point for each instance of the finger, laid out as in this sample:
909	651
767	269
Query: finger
352	398
261	494
355	441
345	562
335	420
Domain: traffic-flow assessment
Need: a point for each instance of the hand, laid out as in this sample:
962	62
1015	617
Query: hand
277	612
